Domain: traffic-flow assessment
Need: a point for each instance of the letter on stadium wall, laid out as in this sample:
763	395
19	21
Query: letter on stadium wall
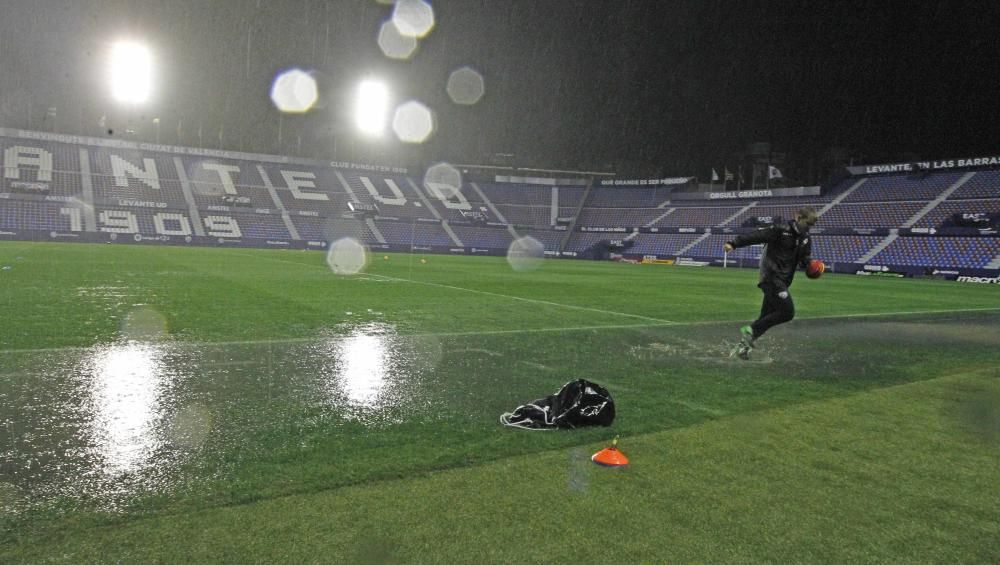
445	192
74	218
296	180
184	227
122	169
399	199
225	175
118	221
18	155
222	226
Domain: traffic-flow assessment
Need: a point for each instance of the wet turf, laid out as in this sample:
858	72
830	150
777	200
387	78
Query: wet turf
143	381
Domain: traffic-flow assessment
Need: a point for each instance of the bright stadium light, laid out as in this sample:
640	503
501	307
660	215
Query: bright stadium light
371	107
131	72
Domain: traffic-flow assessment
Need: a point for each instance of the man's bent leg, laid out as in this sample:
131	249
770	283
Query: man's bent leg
775	310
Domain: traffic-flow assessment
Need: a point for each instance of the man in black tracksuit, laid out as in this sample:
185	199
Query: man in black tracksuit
785	247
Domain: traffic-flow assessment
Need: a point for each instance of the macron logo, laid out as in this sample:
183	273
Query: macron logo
980	280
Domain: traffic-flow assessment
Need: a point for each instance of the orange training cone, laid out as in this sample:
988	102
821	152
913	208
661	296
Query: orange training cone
610	456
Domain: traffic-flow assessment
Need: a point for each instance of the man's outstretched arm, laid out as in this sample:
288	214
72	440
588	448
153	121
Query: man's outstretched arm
765	235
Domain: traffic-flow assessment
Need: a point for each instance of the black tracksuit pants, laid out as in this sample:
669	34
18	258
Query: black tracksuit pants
775	310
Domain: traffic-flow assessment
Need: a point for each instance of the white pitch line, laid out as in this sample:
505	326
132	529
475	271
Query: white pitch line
510	332
496	294
168	342
531	300
658	321
904	313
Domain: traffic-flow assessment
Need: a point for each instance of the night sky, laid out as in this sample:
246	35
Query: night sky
638	86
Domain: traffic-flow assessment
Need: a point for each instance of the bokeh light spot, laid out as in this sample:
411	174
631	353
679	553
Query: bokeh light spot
294	91
144	324
190	426
413	18
347	256
413	122
525	254
10	499
465	86
394	44
443	181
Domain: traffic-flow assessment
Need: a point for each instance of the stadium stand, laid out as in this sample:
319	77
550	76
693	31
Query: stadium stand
37	167
135	175
618	217
697	217
550	239
262	226
903	187
332	229
627	197
946	219
519	194
869	216
843	248
662	244
581	241
944	213
29	215
711	246
414	233
535	216
570	196
984	184
494	238
968	252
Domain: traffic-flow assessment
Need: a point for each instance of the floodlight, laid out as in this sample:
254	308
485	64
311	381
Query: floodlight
371	107
131	72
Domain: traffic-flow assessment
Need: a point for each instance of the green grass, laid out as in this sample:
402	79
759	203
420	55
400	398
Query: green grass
289	414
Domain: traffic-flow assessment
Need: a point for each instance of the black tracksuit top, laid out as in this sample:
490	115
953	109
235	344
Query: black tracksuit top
786	247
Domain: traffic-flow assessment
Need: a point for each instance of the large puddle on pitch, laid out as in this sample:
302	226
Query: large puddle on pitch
147	420
107	423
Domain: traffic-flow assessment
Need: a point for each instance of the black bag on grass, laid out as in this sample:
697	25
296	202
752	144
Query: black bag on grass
578	403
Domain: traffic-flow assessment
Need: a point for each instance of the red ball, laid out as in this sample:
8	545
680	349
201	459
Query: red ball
815	269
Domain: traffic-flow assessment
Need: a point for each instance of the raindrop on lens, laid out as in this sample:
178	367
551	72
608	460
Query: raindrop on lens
413	18
205	181
347	256
10	496
443	181
465	86
190	426
426	351
413	122
525	254
394	44
144	324
294	91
